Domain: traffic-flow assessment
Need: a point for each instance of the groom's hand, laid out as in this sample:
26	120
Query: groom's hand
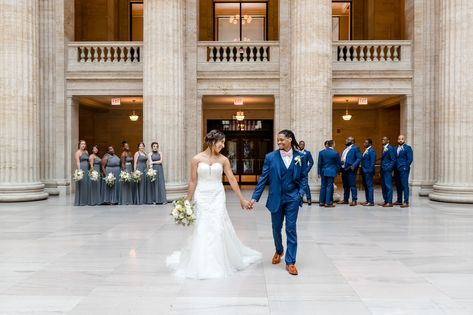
252	203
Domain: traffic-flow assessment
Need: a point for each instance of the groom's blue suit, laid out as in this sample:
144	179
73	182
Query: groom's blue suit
286	188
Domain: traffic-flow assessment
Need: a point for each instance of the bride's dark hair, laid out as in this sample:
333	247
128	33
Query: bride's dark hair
213	136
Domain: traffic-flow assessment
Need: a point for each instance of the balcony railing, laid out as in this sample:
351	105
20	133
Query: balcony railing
105	56
372	55
235	55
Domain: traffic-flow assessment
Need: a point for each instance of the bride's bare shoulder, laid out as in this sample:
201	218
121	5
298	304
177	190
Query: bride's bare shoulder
223	159
197	158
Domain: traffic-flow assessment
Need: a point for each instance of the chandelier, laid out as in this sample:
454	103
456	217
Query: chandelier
240	116
246	19
134	117
346	116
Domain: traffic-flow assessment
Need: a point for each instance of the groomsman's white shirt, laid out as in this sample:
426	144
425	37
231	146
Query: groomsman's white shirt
344	154
399	148
366	151
287	159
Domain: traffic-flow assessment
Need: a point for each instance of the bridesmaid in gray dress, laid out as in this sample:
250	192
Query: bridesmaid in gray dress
140	164
158	188
127	189
82	186
111	164
96	187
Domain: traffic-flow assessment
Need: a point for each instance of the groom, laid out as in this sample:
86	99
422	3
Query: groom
285	169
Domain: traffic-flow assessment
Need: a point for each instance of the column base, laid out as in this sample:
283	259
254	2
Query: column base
25	192
175	191
455	194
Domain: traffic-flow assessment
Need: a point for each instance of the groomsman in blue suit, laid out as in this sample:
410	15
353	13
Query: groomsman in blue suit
404	158
388	163
368	160
286	172
328	165
310	164
351	158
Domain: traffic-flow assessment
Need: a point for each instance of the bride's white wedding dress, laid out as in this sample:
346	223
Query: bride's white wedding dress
214	250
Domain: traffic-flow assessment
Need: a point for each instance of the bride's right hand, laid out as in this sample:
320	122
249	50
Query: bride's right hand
245	204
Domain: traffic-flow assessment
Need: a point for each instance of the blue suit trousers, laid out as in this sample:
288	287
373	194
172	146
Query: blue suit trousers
349	184
402	185
288	210
387	186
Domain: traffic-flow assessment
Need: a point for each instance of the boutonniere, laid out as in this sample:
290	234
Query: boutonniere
385	150
297	160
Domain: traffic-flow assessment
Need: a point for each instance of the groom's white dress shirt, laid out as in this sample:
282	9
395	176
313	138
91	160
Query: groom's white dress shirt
286	157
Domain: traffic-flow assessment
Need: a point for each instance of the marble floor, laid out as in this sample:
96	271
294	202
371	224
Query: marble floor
60	259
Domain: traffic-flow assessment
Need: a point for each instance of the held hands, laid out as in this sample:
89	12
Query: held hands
246	205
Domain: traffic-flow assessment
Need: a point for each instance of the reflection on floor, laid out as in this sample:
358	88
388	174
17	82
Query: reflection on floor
59	259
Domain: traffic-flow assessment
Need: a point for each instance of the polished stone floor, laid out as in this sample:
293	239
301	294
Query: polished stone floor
60	259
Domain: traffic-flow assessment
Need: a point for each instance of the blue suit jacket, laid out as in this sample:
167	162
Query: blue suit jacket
309	158
272	168
388	159
329	163
368	161
405	158
353	158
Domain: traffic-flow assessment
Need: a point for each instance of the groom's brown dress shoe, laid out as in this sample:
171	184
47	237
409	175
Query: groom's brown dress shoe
292	270
276	258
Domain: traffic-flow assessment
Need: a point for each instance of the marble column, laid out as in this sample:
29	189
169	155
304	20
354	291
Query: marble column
163	88
311	76
19	120
455	121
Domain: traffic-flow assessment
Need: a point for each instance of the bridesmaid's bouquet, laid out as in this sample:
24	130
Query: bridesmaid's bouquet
94	175
78	175
151	174
136	176
110	179
183	212
125	177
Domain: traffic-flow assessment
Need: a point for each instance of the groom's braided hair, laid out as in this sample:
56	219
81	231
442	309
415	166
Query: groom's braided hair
289	134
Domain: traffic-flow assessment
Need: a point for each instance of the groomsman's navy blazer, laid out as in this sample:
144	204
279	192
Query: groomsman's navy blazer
405	158
353	158
329	163
368	161
388	159
273	167
309	159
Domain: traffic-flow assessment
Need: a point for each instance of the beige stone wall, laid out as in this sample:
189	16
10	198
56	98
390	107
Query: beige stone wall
106	128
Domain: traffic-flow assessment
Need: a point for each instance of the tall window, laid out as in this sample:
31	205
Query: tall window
341	20
240	21
136	20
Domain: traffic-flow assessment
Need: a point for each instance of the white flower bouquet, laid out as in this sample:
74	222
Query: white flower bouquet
110	179
78	175
183	212
94	175
136	176
151	174
125	177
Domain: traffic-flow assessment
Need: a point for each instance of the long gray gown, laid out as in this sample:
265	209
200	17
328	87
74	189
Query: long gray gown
83	186
96	188
111	195
140	188
158	188
126	197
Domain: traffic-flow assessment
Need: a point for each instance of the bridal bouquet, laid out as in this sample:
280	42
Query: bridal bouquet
125	177
78	175
151	174
136	176
94	175
183	212
110	179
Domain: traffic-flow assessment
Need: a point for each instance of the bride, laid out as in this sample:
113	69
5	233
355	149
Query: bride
214	250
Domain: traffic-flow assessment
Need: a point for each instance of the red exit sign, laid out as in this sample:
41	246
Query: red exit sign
116	101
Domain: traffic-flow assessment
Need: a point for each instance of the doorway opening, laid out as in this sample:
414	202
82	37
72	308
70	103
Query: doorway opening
247	122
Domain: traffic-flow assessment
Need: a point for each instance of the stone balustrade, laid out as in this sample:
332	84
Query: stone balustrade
372	55
105	56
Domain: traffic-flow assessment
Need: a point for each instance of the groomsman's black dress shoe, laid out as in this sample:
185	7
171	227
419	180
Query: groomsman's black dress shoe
369	204
321	205
397	203
344	202
353	203
309	202
330	205
292	270
382	204
276	258
388	205
405	205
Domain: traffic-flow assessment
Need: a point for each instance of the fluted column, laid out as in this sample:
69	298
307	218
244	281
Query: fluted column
455	122
311	76
19	121
163	88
